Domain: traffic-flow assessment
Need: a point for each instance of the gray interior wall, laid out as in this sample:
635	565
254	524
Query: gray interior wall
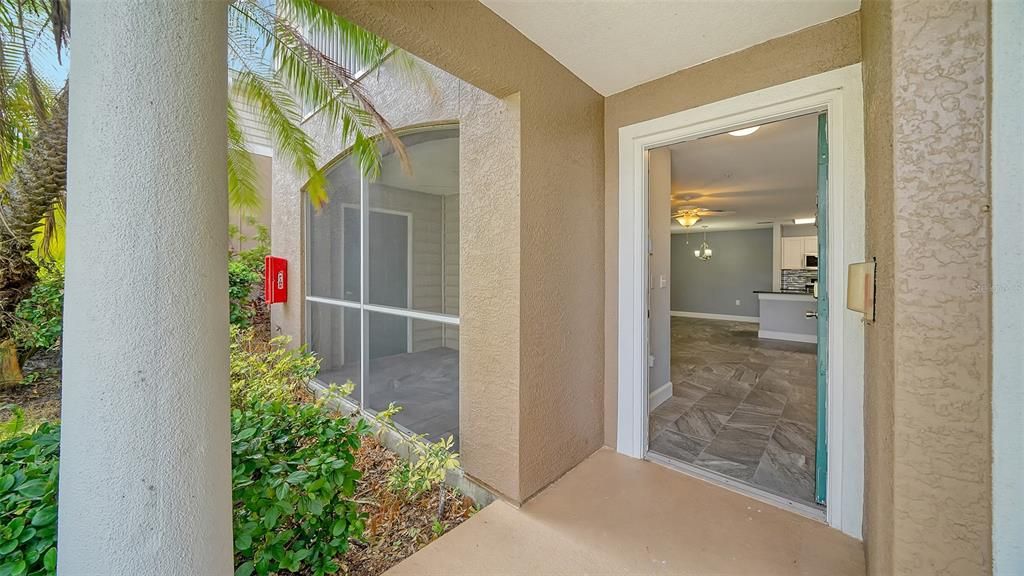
660	219
741	263
793	230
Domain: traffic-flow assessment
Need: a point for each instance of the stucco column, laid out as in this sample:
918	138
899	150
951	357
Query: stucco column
145	447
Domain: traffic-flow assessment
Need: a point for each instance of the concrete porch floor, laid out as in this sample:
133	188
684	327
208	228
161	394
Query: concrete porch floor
617	515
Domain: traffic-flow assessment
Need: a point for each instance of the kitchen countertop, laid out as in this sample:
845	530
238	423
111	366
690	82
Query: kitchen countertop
793	292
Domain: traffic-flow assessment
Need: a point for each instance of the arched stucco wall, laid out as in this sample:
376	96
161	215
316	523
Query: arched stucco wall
489	251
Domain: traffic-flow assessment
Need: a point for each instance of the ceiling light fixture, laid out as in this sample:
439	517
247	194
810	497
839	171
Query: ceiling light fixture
744	131
687	219
810	220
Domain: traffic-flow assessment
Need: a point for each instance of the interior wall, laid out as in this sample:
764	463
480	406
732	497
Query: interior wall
660	262
560	362
817	49
928	500
741	263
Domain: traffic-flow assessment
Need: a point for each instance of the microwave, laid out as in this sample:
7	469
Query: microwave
811	261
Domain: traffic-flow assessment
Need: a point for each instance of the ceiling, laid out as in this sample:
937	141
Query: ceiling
613	45
768	176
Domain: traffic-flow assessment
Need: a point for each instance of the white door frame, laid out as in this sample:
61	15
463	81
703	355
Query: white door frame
840	94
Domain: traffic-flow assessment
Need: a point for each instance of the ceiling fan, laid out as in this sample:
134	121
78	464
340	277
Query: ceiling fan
687	216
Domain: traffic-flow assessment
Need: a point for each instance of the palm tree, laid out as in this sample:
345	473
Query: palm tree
277	68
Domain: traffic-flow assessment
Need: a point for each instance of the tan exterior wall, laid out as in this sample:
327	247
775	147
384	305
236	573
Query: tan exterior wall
531	283
261	215
929	353
879	373
818	49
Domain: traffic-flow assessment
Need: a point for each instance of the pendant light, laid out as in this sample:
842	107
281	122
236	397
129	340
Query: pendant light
704	252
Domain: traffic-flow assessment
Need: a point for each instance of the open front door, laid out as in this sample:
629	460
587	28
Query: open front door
821	450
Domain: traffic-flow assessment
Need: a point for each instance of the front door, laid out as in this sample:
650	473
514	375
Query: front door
821	450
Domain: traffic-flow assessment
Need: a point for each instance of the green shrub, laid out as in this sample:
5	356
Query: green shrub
245	275
294	478
28	502
264	371
426	468
38	319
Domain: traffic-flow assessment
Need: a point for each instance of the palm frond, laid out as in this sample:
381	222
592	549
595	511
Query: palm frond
243	192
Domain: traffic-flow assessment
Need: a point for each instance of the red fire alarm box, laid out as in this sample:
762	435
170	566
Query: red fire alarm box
275	281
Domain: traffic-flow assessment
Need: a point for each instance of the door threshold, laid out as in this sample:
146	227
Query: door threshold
739	487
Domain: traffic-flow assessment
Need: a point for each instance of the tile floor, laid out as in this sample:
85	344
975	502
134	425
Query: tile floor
425	384
742	406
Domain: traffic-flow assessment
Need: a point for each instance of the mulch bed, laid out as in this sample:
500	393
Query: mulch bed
39	394
396	526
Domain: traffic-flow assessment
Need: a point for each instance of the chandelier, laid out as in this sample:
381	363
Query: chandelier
704	252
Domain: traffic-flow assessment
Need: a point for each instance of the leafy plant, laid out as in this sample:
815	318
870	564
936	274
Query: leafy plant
245	276
294	476
28	501
263	371
426	467
39	317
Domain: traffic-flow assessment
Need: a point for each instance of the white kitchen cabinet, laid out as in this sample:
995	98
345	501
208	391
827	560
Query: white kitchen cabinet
794	248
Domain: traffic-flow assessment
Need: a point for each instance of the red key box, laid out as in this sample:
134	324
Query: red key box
275	280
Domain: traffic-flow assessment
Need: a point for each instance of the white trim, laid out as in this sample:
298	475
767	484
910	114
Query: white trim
790	297
709	316
259	150
742	488
791	336
840	94
1008	288
660	394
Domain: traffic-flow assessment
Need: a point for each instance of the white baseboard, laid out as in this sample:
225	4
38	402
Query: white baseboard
659	395
706	316
791	336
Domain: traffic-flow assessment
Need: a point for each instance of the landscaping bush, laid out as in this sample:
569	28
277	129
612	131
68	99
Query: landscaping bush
263	371
39	317
294	478
28	502
245	275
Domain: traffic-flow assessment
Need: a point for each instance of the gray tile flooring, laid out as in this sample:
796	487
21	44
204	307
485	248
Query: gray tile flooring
741	406
425	384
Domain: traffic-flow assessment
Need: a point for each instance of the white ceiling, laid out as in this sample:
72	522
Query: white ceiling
613	45
770	175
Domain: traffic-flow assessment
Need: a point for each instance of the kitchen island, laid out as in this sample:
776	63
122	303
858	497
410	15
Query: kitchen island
783	316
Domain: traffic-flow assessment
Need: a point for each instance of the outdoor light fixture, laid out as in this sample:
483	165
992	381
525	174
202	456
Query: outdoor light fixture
804	220
704	252
744	131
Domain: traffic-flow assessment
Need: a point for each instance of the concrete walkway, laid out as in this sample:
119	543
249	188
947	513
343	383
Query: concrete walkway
616	515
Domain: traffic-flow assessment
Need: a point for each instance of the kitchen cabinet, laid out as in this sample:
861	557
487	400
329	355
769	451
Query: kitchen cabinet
794	248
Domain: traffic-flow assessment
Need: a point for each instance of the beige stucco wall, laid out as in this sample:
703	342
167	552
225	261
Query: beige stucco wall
488	205
876	32
827	46
532	310
928	363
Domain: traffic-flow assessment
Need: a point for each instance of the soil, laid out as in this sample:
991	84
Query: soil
397	526
39	393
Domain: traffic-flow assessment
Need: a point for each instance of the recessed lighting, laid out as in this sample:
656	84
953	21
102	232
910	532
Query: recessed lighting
804	220
744	131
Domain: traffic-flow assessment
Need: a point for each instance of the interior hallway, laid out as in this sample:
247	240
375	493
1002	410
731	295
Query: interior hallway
742	406
613	514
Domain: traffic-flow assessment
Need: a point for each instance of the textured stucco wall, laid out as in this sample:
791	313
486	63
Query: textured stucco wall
928	506
942	331
561	198
879	372
489	248
145	455
821	48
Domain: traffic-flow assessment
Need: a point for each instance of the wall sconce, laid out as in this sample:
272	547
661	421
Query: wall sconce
860	289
